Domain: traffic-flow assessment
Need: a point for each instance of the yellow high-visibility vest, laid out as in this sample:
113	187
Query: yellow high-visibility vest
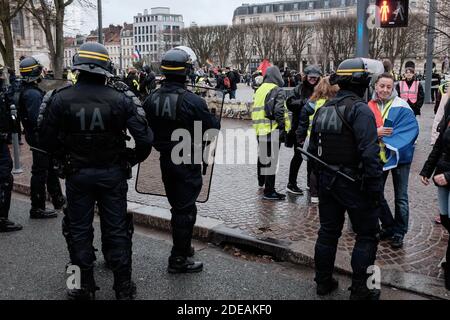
261	124
319	103
384	117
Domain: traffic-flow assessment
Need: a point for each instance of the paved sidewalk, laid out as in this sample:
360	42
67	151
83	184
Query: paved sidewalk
236	213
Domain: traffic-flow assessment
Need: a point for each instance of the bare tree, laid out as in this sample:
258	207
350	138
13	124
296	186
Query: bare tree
224	37
264	37
375	43
299	37
242	46
49	14
201	40
401	43
8	10
338	35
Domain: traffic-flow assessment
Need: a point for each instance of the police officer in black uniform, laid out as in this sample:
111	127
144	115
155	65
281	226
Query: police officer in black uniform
170	108
42	173
88	122
6	165
344	135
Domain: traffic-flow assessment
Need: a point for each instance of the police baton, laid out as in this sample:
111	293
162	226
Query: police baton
326	165
38	150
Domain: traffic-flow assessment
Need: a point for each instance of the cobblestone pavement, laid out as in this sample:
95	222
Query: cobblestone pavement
235	199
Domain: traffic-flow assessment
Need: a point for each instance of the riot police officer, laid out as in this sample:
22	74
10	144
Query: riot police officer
42	173
86	125
170	108
344	135
6	165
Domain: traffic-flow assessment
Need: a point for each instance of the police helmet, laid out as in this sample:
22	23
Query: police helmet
178	61
93	57
30	69
352	72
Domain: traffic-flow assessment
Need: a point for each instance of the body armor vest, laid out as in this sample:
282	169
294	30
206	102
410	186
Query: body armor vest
164	113
336	141
93	135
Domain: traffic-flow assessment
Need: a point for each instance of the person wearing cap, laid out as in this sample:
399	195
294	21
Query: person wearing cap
169	109
344	135
410	89
85	125
43	175
300	124
6	163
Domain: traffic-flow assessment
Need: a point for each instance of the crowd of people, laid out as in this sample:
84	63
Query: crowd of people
363	126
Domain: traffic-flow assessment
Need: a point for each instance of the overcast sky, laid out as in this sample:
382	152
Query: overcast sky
203	12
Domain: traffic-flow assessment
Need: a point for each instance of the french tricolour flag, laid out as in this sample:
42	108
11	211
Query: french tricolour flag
137	54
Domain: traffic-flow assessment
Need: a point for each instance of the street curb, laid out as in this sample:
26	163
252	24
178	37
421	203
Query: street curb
216	232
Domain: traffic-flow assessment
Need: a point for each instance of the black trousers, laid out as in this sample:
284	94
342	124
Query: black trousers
295	165
268	154
336	199
43	178
183	184
108	188
6	180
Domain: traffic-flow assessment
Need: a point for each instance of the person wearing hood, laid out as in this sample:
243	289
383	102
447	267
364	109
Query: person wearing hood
300	125
271	123
397	130
411	89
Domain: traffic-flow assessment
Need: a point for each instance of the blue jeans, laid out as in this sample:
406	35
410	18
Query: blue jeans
444	200
399	223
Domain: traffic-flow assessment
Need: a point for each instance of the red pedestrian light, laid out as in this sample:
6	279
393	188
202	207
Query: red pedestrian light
392	13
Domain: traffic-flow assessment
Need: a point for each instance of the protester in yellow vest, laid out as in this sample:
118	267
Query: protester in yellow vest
270	132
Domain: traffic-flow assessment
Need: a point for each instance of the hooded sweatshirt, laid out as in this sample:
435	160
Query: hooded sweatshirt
273	75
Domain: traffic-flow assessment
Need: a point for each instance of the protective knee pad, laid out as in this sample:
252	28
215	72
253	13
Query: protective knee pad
82	254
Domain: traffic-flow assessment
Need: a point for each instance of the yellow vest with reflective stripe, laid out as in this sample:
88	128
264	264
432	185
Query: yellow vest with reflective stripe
319	103
261	124
384	115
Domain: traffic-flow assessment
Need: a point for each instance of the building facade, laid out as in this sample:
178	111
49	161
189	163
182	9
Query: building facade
313	11
29	39
156	32
127	47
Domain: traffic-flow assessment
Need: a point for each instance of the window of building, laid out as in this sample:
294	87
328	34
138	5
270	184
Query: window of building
295	6
309	50
310	16
267	9
135	30
280	7
135	39
254	20
147	49
343	4
280	18
311	5
255	10
146	38
295	17
243	21
326	4
146	29
325	15
342	14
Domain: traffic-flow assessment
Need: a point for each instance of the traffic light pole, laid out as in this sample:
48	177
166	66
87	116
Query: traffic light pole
100	21
362	31
430	49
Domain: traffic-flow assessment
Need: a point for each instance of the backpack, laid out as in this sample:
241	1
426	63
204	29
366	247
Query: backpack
270	102
227	82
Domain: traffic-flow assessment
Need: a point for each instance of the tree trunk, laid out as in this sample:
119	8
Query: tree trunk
7	48
59	41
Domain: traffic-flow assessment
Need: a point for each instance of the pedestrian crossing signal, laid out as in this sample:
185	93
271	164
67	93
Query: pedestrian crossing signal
392	13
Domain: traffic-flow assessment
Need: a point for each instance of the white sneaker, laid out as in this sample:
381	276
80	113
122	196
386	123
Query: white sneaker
315	200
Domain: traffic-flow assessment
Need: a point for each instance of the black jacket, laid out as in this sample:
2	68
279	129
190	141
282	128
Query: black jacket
30	100
89	91
300	118
438	161
362	121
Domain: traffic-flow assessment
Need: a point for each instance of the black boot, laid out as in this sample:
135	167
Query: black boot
9	226
59	202
361	292
125	290
184	265
325	288
42	213
87	289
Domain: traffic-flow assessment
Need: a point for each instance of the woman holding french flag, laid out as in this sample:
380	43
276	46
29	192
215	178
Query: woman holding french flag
397	131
